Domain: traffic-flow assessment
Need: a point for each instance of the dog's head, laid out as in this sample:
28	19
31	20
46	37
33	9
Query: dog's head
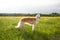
38	16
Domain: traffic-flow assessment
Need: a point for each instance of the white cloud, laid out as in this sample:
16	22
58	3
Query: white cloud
27	5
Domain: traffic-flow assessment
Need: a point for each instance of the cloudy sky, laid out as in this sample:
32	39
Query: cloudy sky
29	6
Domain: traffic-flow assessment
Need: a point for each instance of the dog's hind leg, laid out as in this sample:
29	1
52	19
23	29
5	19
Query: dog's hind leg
21	24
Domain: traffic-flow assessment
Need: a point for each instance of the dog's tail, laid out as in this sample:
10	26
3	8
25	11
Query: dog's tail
18	25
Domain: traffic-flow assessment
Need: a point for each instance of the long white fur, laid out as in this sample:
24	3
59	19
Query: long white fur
18	25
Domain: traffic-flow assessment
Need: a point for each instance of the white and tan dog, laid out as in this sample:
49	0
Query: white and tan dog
32	21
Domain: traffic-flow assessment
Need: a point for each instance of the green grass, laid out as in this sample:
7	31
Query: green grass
48	28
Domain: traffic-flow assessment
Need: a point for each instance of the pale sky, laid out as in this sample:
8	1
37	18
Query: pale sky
29	6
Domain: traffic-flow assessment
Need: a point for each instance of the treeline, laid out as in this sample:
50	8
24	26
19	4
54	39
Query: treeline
51	14
29	14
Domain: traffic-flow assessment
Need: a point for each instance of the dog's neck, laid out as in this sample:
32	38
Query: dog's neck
37	18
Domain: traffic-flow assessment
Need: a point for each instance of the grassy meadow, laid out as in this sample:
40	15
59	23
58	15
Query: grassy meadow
48	28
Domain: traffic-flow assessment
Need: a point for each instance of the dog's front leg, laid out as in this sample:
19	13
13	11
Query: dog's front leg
33	27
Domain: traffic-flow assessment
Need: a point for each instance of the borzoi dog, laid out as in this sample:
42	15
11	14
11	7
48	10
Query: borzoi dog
32	21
